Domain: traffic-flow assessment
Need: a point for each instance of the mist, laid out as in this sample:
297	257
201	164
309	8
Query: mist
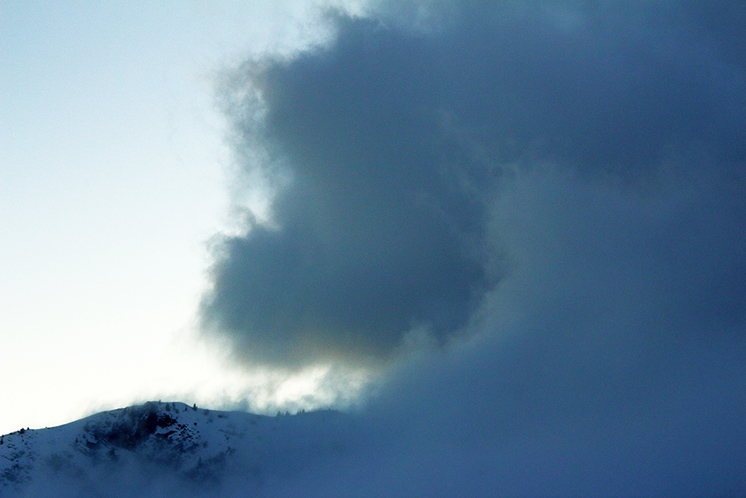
529	218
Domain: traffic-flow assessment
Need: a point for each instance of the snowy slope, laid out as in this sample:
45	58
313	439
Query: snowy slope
165	447
477	438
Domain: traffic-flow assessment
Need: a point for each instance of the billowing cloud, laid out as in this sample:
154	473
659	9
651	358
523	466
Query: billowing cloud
611	363
390	144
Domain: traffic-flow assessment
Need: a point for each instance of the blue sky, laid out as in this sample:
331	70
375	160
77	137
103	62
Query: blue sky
113	178
521	220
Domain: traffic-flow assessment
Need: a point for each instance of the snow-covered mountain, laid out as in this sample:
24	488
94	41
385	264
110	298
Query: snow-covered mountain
447	440
164	448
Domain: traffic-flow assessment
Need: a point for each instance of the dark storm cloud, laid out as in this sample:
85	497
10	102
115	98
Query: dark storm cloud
612	364
390	142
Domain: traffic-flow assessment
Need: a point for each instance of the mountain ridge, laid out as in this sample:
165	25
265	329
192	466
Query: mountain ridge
196	447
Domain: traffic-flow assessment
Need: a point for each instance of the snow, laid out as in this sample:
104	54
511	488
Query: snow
466	440
165	447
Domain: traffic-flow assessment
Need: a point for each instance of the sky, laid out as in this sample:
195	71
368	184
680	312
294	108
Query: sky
513	230
114	177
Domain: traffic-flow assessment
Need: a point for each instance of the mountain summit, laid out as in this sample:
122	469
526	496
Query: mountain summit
165	447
